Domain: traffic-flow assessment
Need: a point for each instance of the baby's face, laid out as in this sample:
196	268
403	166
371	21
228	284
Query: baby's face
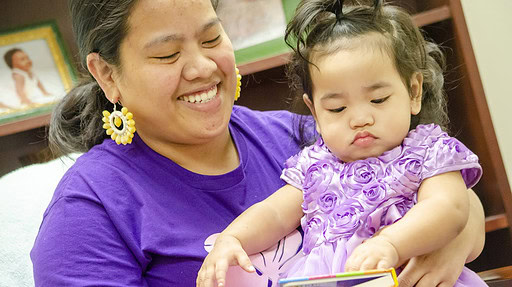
21	61
361	105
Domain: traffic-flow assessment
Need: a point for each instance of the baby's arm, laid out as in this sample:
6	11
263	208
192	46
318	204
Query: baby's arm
19	83
256	229
439	216
41	87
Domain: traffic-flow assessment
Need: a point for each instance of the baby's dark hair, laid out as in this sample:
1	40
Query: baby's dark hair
8	56
318	26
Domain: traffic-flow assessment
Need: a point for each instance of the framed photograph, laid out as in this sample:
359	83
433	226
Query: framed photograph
256	27
35	71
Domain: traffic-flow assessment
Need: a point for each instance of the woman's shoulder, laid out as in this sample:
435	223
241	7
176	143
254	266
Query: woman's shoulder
272	121
246	114
103	161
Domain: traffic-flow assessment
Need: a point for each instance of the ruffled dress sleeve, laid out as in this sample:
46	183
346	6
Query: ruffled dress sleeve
298	168
444	154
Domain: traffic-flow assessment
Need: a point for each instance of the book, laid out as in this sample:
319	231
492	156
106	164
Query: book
368	278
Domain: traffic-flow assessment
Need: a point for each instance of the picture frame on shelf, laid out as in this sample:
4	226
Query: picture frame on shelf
35	71
256	27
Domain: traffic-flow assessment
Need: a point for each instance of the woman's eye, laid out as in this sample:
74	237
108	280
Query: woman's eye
338	110
380	101
212	42
172	57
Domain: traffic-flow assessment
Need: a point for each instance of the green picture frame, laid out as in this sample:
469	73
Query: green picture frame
35	71
269	48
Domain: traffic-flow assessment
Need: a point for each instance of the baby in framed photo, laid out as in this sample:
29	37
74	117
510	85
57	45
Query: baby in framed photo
35	71
28	86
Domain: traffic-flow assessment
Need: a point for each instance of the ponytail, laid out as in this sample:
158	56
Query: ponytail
76	124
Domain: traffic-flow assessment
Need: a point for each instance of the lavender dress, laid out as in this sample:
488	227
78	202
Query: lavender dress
346	203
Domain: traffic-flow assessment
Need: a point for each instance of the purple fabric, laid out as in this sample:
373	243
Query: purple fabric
346	203
127	216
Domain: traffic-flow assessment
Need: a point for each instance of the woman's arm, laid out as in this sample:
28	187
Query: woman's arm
256	229
474	232
439	216
442	267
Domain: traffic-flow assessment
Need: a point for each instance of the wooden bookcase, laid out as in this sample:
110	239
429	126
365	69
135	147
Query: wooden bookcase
265	87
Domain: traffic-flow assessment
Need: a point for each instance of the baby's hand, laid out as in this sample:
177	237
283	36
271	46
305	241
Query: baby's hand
227	251
375	253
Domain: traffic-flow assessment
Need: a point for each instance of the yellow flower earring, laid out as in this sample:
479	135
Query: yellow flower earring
112	122
238	84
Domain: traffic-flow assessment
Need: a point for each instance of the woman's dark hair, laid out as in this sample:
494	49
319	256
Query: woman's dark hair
99	27
317	27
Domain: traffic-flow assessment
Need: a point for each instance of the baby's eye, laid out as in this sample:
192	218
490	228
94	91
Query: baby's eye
169	58
380	101
338	110
212	43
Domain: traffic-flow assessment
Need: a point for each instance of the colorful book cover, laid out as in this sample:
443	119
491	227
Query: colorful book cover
369	278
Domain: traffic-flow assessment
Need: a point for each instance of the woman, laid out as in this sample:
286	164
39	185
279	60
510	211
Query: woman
139	214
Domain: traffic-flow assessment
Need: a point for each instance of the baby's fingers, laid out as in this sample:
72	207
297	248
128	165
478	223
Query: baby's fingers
205	277
384	264
221	268
369	263
244	262
220	272
353	263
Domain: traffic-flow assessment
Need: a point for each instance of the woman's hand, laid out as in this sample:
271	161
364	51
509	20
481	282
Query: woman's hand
375	253
226	251
442	267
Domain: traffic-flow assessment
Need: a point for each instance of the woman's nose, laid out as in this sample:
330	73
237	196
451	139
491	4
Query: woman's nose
360	118
198	66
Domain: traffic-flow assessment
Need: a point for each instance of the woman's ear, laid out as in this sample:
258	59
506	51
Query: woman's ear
311	108
416	92
103	73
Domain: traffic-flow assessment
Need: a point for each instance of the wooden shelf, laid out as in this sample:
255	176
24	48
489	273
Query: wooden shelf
497	274
264	64
421	19
495	222
432	16
23	125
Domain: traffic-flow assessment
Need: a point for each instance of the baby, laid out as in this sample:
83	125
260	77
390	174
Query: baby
383	183
29	88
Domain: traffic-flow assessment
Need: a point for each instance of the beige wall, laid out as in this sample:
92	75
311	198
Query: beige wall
490	28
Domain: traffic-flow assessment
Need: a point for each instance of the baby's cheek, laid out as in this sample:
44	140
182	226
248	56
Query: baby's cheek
336	146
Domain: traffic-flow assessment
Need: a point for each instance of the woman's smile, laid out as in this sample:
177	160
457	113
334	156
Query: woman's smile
201	96
202	99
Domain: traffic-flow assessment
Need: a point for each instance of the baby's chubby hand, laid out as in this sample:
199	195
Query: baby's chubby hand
227	251
375	253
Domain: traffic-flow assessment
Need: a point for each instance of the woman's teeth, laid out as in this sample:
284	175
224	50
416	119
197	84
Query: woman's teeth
200	98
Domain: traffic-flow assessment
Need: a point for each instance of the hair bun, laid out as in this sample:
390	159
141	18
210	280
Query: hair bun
336	7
